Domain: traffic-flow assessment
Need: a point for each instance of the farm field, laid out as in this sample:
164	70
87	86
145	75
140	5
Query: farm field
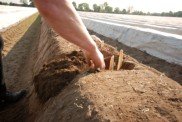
62	87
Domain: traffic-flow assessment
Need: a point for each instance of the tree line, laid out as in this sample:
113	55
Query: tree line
24	4
105	8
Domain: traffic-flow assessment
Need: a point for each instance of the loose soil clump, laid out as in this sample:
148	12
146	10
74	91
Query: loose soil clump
58	73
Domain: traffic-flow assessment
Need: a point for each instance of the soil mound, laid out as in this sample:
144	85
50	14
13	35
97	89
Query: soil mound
116	96
62	88
58	73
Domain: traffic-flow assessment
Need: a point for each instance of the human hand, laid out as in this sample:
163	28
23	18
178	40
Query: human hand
97	57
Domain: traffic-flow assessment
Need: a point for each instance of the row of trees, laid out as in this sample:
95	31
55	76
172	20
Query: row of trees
96	8
24	3
169	14
105	8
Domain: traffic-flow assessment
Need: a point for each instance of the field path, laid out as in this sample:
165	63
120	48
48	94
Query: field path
18	50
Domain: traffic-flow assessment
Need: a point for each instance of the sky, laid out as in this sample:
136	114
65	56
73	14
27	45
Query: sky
141	5
14	1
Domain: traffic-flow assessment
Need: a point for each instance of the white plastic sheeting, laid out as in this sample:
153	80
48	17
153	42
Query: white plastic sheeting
160	44
10	15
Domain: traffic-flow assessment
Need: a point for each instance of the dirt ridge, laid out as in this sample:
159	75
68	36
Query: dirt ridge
138	94
61	88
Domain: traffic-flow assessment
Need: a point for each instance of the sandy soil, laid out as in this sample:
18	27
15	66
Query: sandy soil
138	94
18	50
63	88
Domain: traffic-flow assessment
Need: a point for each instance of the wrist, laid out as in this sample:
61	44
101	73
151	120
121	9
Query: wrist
92	47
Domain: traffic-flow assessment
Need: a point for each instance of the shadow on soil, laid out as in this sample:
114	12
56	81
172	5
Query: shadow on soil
172	71
18	111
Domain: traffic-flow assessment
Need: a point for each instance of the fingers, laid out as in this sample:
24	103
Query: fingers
95	59
98	60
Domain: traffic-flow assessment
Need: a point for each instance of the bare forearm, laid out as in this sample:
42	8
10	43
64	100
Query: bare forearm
61	15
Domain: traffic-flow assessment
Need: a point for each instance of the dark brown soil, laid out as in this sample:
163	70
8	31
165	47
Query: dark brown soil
58	73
